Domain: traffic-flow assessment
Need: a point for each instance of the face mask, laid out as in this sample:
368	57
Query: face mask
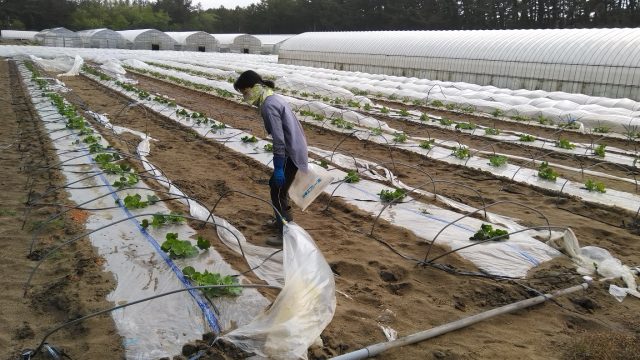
253	95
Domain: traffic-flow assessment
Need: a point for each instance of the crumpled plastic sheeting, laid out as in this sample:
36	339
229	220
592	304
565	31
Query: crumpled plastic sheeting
304	307
595	260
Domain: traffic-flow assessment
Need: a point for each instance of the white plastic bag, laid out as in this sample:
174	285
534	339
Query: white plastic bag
307	185
302	310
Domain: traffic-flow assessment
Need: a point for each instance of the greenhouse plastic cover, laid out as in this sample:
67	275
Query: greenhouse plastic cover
304	307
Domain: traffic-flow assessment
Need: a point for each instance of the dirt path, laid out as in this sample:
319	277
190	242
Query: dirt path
71	285
376	286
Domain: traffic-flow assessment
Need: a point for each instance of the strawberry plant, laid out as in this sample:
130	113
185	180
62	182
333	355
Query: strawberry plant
436	103
565	144
135	201
403	112
461	152
424	117
527	138
202	243
467	109
353	103
465	126
178	248
573	125
446	122
389	196
207	278
427	144
488	232
543	120
497	160
601	129
352	177
400	137
91	139
304	94
218	126
182	112
520	118
95	148
546	172
324	164
491	131
105	158
384	110
497	113
341	123
595	186
367	107
249	139
393	97
126	181
599	150
451	106
376	132
158	220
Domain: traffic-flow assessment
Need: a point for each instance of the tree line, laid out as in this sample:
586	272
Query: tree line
297	16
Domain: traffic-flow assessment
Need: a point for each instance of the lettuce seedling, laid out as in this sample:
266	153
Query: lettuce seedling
384	110
427	144
527	138
546	172
491	131
498	160
446	122
268	147
249	139
565	144
400	137
487	232
599	150
595	186
389	196
461	153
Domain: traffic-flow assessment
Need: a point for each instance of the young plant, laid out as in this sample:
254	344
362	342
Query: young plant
178	248
427	144
403	112
437	103
268	147
497	113
546	172
367	107
573	125
599	150
543	120
465	126
353	104
352	177
487	232
424	117
324	164
159	220
491	131
451	106
135	201
341	123
400	137
446	122
461	152
498	160
565	144
249	139
527	138
389	196
595	186
384	110
218	126
601	129
127	180
520	118
207	278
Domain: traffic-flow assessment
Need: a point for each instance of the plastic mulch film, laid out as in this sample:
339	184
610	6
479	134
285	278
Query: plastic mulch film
304	307
157	328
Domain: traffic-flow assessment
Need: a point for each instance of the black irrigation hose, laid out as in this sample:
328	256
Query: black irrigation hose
76	238
484	208
29	352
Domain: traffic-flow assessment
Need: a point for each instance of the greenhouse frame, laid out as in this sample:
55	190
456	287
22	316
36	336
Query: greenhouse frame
102	38
271	43
194	41
225	41
598	62
59	37
148	39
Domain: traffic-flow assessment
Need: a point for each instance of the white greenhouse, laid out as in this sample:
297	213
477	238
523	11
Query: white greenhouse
599	62
225	41
59	37
102	38
239	43
271	43
194	41
18	34
148	39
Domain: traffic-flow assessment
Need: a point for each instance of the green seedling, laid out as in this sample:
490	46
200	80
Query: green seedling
461	152
487	232
400	137
520	118
427	144
446	122
491	131
527	138
384	110
268	147
497	113
158	220
127	180
207	278
436	103
135	201
498	160
546	172
403	112
178	248
341	123
324	164
565	144
395	195
599	151
352	177
465	126
424	117
601	129
595	186
249	139
367	107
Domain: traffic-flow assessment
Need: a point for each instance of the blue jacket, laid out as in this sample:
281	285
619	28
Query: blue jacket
285	129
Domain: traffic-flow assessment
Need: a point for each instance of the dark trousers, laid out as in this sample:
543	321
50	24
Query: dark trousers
279	195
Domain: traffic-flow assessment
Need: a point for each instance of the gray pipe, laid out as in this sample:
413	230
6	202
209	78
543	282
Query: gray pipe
373	350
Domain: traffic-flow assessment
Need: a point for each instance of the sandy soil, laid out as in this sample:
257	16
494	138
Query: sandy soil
69	286
375	286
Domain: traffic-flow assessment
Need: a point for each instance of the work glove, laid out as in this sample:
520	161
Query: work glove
278	170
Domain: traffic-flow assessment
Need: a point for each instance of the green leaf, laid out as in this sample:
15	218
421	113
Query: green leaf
203	243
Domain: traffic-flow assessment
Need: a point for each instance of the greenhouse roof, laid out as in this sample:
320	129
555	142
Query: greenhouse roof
131	35
181	36
226	39
619	47
273	39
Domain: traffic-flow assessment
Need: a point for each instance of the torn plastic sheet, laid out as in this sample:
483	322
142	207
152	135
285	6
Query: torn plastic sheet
592	260
304	307
134	258
512	258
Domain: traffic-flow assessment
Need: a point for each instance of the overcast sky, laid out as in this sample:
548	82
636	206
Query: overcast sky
229	4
